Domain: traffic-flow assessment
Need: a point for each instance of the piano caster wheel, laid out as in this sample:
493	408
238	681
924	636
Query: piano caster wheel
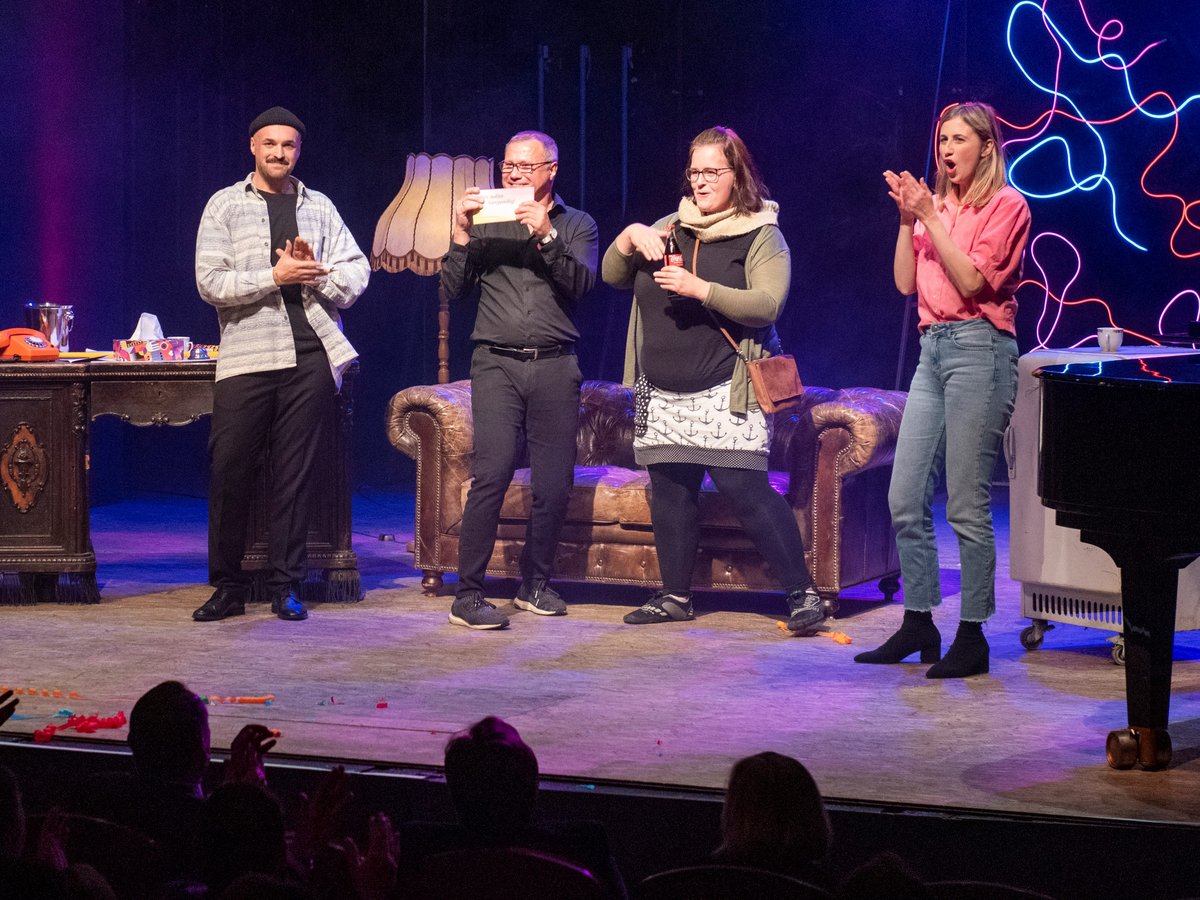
1118	651
1121	749
1148	747
830	607
1154	748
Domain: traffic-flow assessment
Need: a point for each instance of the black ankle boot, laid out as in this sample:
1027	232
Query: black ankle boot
967	656
917	632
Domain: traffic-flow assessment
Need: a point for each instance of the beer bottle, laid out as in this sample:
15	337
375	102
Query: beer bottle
672	255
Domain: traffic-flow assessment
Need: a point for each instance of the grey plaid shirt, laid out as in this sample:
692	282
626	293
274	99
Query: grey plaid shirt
233	273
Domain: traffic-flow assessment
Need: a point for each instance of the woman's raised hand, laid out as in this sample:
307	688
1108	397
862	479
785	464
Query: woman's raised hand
893	183
915	197
650	242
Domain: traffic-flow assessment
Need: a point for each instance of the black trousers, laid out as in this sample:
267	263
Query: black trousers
766	516
539	399
279	419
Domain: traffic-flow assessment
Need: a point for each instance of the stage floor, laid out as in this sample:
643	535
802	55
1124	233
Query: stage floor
387	680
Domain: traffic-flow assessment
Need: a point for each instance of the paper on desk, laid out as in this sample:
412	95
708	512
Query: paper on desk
500	204
147	329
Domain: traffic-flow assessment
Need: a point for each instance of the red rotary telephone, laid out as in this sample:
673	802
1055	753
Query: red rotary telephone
26	345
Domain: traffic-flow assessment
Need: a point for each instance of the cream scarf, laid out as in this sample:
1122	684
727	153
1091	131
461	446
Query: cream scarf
727	223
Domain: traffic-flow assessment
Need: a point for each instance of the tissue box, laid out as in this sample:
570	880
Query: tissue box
161	350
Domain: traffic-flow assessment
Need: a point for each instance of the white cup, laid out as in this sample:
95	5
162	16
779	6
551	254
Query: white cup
1110	338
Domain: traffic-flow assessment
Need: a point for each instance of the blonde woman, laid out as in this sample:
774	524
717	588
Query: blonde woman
960	249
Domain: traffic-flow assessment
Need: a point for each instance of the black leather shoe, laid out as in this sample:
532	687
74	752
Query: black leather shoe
224	602
288	606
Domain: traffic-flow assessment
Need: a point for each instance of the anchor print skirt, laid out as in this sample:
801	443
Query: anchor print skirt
699	428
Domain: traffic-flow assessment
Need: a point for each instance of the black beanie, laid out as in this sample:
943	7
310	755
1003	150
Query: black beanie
276	115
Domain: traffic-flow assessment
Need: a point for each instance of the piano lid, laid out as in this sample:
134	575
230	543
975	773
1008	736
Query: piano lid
1152	373
1118	444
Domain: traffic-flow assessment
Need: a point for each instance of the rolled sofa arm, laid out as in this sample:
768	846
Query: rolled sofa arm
871	417
432	425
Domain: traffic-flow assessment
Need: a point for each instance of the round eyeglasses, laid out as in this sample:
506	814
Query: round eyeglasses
709	175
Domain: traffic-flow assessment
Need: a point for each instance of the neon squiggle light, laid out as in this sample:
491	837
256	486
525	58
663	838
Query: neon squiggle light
1043	145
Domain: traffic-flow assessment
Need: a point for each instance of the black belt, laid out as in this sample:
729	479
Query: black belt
527	353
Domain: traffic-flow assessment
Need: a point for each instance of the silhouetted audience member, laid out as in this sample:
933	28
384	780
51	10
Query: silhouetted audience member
493	779
161	798
774	818
884	877
43	874
256	886
171	745
240	832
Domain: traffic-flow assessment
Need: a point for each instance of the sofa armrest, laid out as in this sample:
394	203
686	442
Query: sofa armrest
432	425
871	417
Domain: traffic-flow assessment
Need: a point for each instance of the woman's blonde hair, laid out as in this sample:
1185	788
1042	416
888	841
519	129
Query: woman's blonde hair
990	175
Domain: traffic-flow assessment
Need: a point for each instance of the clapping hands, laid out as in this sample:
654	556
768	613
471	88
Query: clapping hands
912	196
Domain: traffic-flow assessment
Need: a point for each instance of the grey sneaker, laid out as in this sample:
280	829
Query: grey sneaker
662	607
470	610
538	597
808	612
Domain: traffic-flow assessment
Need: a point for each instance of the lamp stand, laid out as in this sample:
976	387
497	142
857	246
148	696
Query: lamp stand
443	349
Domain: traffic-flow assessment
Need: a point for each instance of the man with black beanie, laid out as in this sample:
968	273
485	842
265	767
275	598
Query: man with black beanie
278	263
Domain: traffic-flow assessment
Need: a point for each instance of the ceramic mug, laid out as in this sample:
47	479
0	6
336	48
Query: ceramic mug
1110	338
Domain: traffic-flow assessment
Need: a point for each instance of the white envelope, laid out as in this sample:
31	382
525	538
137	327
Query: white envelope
500	204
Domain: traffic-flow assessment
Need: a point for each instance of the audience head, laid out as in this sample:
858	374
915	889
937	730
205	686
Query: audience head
241	831
492	775
12	817
884	877
168	734
773	809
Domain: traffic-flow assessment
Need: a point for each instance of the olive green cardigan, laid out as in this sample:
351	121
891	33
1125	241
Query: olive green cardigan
758	305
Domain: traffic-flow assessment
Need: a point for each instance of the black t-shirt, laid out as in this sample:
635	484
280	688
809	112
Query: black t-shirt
682	348
282	210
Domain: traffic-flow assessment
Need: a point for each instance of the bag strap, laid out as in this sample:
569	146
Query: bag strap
732	343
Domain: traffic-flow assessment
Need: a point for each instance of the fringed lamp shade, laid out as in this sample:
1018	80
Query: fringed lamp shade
414	231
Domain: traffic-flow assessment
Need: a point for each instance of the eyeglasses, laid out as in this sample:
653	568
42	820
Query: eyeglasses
525	168
710	175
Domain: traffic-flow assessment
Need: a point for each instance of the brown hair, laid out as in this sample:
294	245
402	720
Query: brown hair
773	810
990	175
749	192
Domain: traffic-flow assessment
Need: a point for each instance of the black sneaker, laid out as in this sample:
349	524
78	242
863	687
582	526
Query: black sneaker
538	597
470	610
808	612
662	607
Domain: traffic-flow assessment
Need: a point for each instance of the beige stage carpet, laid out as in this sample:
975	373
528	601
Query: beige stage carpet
387	680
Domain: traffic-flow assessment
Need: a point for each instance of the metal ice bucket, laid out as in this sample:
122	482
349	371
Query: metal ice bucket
52	320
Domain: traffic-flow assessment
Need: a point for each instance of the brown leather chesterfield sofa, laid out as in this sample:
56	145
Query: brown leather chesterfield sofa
831	458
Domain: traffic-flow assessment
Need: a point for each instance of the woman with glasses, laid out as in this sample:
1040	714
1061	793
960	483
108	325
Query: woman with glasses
696	411
960	249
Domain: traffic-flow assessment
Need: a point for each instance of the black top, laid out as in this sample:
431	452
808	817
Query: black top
682	348
528	292
282	210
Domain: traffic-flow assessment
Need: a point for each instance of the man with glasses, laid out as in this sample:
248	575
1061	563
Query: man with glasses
525	378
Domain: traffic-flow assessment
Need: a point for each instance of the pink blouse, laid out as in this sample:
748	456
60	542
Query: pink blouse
994	237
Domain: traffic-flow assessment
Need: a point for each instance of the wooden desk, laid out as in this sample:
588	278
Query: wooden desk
45	531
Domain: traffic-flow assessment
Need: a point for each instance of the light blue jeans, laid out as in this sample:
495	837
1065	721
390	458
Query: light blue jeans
958	406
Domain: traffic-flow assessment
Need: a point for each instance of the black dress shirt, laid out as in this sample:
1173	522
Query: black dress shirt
527	292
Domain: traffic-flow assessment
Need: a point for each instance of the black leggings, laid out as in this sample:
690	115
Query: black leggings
766	516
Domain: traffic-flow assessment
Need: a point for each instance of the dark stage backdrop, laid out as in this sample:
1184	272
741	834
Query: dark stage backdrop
119	119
